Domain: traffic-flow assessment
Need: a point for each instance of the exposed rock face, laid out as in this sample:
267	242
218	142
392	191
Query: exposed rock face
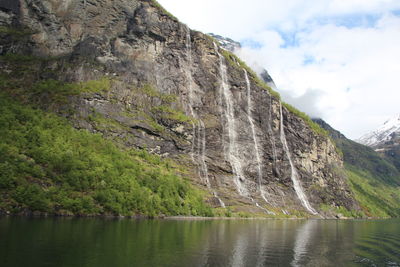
167	96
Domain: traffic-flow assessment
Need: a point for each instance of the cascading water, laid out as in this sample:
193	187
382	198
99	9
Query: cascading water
232	153
294	176
201	130
202	151
270	131
253	131
190	97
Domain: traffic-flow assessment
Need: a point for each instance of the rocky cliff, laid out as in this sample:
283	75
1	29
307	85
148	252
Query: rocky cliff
176	93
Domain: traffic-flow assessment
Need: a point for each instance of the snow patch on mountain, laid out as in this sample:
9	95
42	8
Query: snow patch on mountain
383	134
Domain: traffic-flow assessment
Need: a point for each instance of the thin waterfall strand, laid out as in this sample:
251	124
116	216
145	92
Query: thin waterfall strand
271	133
189	78
201	130
294	176
232	153
201	142
253	131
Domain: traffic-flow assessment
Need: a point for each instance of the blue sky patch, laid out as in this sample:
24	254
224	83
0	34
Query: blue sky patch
290	38
250	43
308	60
351	21
396	13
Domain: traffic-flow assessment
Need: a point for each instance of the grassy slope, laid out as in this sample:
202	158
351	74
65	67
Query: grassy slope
376	198
48	166
374	180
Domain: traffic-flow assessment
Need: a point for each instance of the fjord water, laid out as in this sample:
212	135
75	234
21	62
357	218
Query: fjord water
125	242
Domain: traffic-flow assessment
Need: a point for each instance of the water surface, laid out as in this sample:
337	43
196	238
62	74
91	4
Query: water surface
125	242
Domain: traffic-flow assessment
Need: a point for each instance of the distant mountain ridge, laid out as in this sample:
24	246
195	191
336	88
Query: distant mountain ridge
226	43
385	140
389	131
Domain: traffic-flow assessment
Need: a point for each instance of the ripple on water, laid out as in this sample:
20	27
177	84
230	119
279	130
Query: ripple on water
97	242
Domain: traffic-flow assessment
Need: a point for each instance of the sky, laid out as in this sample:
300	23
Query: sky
338	60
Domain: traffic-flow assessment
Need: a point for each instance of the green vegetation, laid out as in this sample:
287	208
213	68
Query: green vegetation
376	198
172	114
314	126
104	124
162	9
48	166
364	158
16	33
373	180
150	91
343	211
58	92
17	58
232	59
22	82
156	108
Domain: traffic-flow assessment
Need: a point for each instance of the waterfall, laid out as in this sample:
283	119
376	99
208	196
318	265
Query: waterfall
201	129
294	176
253	131
221	203
231	153
202	151
271	133
190	97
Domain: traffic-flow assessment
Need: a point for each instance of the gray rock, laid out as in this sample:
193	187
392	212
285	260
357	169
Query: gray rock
142	46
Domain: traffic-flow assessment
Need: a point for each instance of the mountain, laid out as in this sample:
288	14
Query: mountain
374	179
117	108
389	132
226	43
386	141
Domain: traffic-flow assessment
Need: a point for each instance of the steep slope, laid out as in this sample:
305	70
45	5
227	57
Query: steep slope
374	179
130	72
49	167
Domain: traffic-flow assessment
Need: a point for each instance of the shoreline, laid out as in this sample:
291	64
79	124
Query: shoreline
172	218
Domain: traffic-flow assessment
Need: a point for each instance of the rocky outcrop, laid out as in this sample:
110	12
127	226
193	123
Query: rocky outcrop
175	93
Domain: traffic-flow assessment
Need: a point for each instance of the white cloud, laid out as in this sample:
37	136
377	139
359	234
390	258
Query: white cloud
338	59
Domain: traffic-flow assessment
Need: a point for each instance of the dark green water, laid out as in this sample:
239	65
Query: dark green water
102	242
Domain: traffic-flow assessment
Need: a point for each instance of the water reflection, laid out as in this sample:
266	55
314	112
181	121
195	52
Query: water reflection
96	242
303	239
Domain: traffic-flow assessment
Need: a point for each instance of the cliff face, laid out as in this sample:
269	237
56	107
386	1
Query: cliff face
176	93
